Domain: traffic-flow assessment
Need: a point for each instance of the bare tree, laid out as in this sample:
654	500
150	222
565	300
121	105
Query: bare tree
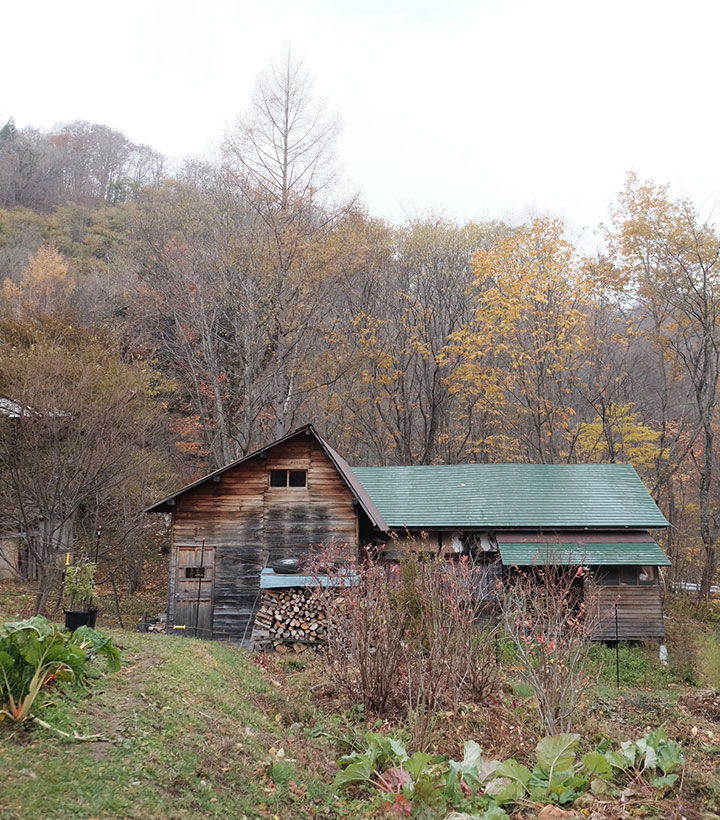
283	149
282	159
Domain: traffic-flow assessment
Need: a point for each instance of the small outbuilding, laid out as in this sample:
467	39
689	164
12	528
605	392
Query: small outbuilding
271	506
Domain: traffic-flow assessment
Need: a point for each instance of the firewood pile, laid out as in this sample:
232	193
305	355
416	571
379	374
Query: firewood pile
289	619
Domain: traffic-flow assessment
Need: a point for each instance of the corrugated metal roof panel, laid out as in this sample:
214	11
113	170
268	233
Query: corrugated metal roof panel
521	496
273	580
618	553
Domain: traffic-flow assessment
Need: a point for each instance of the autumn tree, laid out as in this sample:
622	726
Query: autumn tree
398	397
80	426
46	285
670	258
523	351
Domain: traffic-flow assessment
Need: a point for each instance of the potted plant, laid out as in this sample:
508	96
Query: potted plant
80	588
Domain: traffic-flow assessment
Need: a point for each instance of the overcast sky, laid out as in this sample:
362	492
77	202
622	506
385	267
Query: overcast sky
477	108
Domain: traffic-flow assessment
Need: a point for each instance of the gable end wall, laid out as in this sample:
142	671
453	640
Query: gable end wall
251	524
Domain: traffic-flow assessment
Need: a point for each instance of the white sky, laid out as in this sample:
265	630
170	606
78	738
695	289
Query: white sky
477	108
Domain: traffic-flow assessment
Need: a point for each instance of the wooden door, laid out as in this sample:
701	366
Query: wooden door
194	591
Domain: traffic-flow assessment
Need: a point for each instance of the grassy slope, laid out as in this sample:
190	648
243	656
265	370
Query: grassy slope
195	729
188	728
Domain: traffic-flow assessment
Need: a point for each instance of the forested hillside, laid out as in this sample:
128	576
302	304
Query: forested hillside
157	322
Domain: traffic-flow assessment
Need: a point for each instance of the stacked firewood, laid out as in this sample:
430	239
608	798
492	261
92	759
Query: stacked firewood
289	618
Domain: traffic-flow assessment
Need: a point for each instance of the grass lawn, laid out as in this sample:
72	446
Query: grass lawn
189	729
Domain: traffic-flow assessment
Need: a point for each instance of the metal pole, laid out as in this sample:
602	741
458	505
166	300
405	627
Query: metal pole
617	651
200	580
495	630
97	541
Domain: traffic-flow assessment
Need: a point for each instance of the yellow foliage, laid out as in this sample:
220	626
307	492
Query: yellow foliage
619	436
46	284
529	337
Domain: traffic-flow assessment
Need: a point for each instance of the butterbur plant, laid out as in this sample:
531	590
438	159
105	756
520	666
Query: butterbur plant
559	776
31	653
653	758
34	652
419	780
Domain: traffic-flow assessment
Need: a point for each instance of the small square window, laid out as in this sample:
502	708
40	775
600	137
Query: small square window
194	572
288	478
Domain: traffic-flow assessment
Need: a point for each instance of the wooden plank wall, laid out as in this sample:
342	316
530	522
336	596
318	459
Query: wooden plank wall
640	615
250	524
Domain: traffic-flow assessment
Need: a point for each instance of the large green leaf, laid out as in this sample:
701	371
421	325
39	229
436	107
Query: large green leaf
664	782
359	772
596	765
557	751
617	760
514	770
630	751
95	643
37	623
417	764
66	654
668	756
504	790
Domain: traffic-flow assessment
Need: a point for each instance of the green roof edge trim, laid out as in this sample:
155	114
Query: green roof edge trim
602	554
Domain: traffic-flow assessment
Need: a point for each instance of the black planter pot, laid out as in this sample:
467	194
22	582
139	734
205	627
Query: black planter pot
76	618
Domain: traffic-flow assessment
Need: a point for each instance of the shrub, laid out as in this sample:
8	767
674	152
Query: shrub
407	634
364	643
551	620
80	585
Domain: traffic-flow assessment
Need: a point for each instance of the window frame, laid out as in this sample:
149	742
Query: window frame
274	474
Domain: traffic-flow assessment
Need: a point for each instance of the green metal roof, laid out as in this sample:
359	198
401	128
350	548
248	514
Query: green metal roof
520	496
585	554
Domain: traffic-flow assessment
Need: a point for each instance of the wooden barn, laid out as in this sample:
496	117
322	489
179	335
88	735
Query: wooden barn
229	527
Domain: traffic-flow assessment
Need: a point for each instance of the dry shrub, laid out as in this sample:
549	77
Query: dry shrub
406	635
551	618
449	658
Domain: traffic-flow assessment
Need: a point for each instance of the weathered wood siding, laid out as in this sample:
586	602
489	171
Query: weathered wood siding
639	610
251	524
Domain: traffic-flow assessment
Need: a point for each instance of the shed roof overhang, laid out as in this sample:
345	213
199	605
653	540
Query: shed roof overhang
580	549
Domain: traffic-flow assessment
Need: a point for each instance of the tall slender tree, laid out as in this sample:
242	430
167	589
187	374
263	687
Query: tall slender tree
670	257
